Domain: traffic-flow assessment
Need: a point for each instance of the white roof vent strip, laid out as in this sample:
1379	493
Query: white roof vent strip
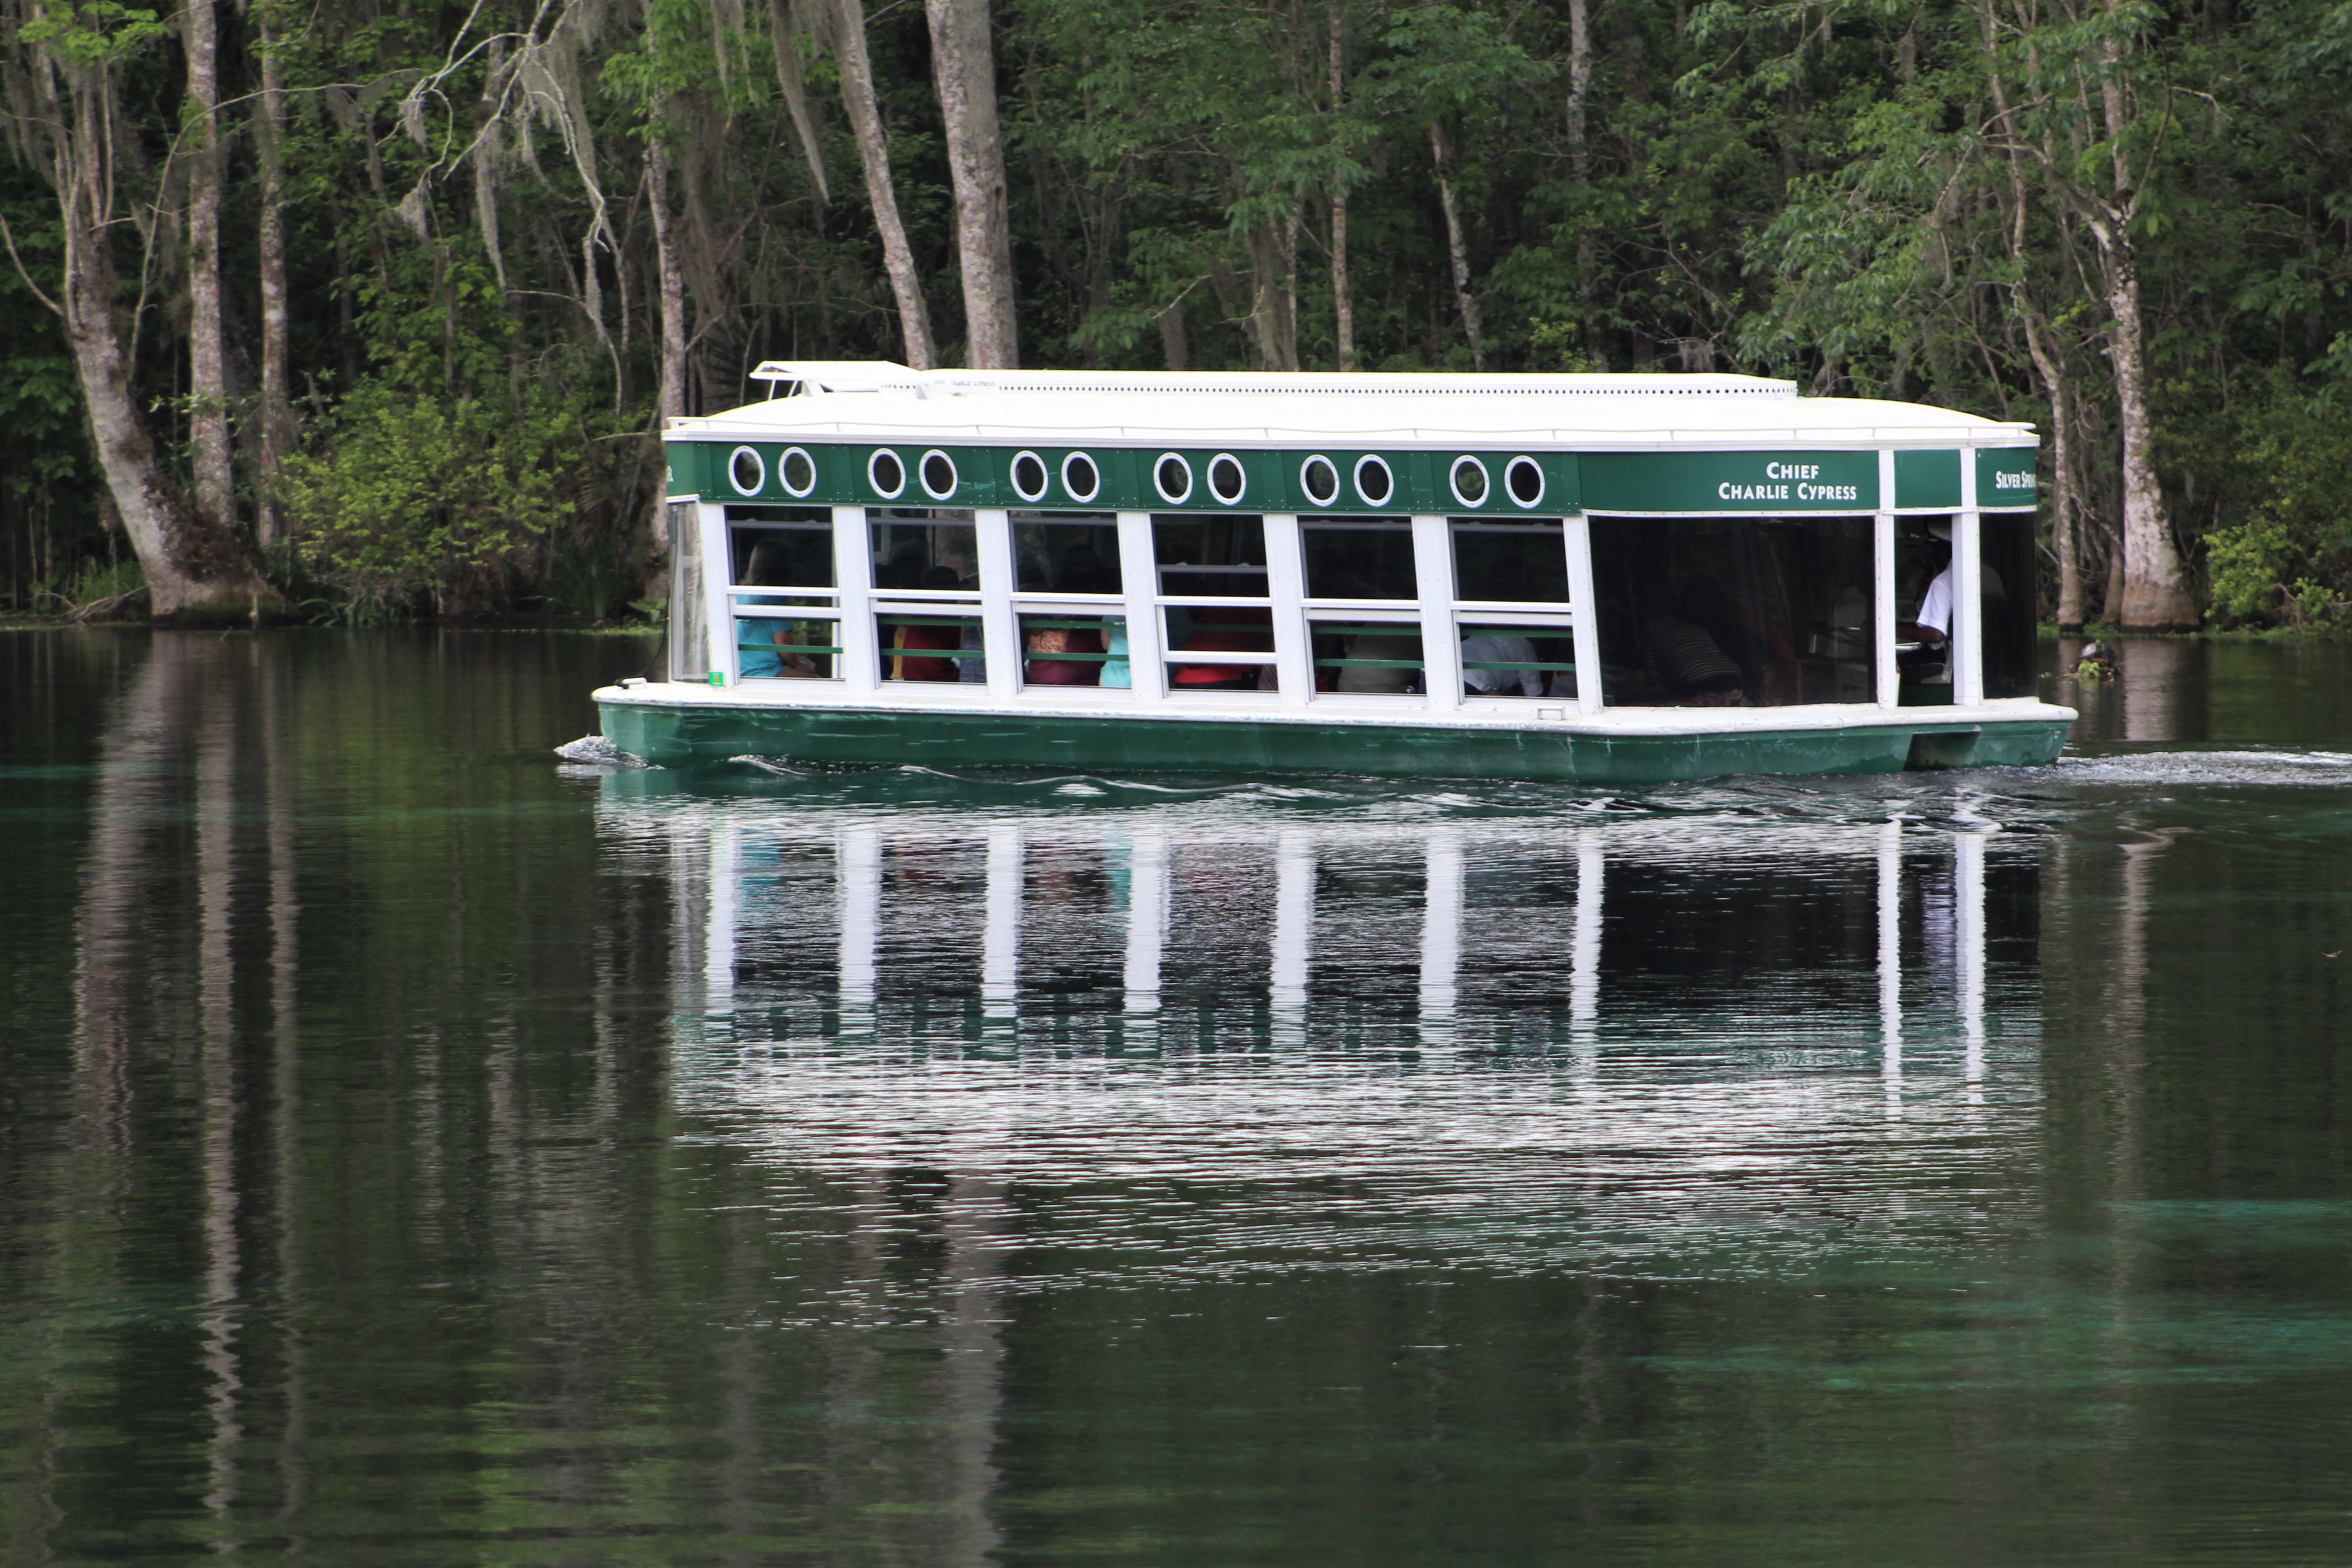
872	376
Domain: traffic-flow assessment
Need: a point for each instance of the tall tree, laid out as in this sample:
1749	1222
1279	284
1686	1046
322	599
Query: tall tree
963	61
215	481
1343	304
1457	247
858	97
670	402
64	82
277	411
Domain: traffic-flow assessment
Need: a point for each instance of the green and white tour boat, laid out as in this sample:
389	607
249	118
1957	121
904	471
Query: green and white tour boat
1602	578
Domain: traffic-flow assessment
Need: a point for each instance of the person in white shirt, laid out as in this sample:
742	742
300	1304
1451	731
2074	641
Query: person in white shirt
1933	622
1498	648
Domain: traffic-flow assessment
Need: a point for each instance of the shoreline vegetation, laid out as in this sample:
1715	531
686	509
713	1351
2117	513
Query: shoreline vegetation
371	312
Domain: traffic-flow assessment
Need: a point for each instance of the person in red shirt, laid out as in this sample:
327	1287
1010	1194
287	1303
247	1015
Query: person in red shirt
1226	629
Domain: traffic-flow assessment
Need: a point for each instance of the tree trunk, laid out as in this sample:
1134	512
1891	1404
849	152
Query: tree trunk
277	396
2064	508
1171	336
1455	245
671	282
1580	164
194	565
1343	304
874	154
794	89
1274	261
2155	588
216	480
963	61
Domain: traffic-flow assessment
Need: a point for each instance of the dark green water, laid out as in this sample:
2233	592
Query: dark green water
414	1149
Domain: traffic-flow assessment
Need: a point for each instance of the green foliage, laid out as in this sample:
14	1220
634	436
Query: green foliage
1828	191
93	33
410	499
2284	554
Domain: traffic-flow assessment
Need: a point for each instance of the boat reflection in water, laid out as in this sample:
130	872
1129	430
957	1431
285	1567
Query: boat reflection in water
1666	1034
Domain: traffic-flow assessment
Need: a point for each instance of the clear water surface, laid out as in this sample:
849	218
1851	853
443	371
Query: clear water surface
416	1148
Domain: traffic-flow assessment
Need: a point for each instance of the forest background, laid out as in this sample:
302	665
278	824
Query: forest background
372	308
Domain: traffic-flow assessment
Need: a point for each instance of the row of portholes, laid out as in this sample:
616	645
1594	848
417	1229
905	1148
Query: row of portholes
1172	476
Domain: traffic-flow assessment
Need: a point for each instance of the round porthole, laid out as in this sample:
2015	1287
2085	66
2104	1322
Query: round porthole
1469	476
1226	480
1524	479
1374	483
1320	480
1028	475
938	472
746	471
797	469
886	474
1172	477
1081	480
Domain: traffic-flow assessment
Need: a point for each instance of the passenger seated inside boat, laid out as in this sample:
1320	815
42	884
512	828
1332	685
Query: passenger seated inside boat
1402	649
757	638
943	635
1695	670
1500	665
1075	634
1225	628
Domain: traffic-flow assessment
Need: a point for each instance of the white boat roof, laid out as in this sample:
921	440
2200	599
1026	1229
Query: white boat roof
876	401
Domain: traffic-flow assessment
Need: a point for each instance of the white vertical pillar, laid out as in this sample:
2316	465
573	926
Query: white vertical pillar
1000	951
1968	590
1890	966
1441	645
858	859
1138	570
1147	918
1294	931
1882	589
717	571
853	571
1285	583
1440	933
1000	629
1968	894
1584	941
1575	534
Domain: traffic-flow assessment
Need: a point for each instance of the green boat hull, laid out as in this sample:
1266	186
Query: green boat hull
685	734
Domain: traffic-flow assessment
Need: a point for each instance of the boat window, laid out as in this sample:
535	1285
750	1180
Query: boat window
1735	612
1029	477
1468	478
913	547
1363	658
1512	660
798	543
1922	553
1510	560
1213	566
1066	552
927	594
1358	558
925	643
2005	549
1076	647
791	547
